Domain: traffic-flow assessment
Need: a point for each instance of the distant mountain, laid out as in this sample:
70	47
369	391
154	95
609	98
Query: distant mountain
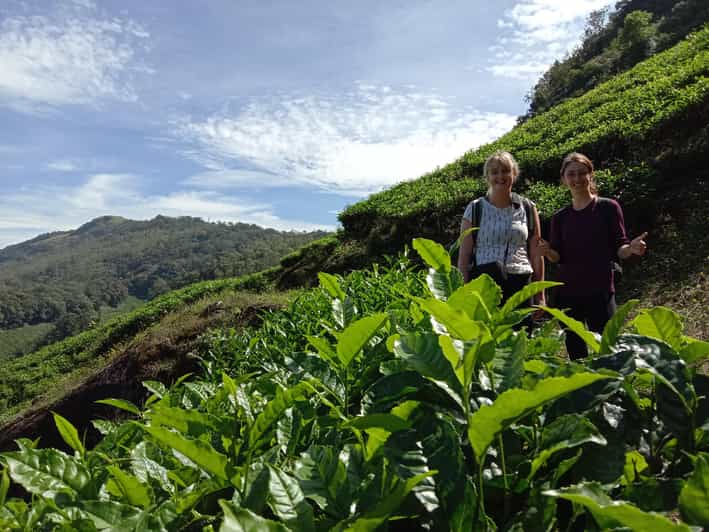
66	278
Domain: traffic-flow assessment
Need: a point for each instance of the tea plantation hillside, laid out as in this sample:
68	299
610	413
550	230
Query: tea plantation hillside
391	396
647	131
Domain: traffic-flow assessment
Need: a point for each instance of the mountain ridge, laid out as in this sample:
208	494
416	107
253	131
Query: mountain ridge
66	278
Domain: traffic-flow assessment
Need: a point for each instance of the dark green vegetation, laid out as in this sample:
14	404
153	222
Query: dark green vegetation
69	279
398	399
25	378
634	31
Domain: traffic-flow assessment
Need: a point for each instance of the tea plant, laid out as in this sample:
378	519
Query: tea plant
397	399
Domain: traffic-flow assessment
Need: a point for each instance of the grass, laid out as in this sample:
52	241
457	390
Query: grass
178	327
16	342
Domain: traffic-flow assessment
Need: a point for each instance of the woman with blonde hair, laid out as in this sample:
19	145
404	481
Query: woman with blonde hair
586	238
505	244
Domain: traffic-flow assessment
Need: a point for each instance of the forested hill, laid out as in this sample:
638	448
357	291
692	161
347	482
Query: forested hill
613	43
67	278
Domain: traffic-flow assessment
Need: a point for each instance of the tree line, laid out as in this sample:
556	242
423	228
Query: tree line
66	277
613	43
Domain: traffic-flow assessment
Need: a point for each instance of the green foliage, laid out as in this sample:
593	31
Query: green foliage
69	279
610	513
427	405
614	43
694	498
24	378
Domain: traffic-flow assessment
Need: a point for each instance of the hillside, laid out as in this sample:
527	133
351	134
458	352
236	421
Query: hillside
393	397
614	42
58	284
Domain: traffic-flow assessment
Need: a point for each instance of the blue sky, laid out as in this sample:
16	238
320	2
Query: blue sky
277	113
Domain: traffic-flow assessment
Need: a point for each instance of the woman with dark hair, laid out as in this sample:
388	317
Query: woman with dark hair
586	238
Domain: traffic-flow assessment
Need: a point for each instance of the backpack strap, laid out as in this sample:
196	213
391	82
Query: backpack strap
477	212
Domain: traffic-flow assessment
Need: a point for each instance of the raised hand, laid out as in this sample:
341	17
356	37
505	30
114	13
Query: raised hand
638	246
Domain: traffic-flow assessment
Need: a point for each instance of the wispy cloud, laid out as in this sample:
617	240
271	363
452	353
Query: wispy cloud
62	165
71	55
536	32
26	213
353	143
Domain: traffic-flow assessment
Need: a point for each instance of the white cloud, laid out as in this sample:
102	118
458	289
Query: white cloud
63	165
29	212
222	179
68	57
538	32
353	143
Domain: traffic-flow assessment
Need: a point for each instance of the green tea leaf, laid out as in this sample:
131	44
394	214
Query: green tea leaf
571	430
145	468
111	515
523	296
242	520
46	472
69	433
344	311
122	404
615	324
357	335
201	453
323	478
610	513
374	518
129	487
634	463
508	364
661	323
4	486
453	355
284	399
188	422
323	347
433	254
485	424
155	387
422	352
479	298
694	497
456	322
442	284
472	303
332	285
575	326
694	350
648	355
288	502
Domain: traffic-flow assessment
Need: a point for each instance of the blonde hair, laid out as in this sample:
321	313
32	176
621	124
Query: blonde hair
504	159
576	157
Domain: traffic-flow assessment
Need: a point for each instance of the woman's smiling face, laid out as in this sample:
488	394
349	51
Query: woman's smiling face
577	176
500	176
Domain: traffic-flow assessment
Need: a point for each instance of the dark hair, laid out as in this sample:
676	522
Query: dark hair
576	157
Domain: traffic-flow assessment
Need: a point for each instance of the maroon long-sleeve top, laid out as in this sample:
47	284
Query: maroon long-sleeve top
587	242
